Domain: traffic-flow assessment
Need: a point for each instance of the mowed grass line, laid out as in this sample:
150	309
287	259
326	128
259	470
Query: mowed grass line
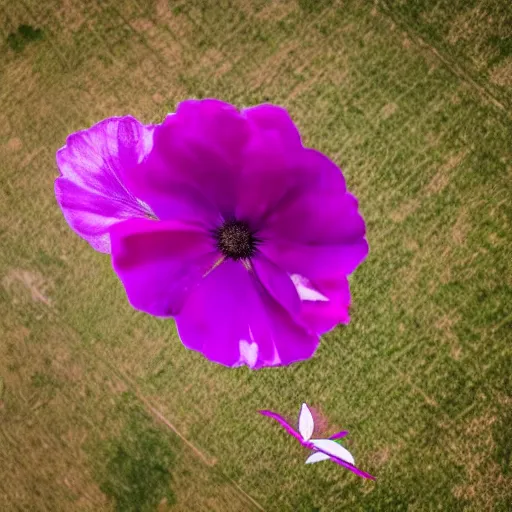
474	37
420	377
76	433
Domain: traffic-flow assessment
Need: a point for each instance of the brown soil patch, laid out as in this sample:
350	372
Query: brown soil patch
14	144
271	65
142	25
321	422
304	87
33	282
442	177
70	15
445	324
338	75
380	457
461	228
502	74
438	183
456	352
388	110
447	321
276	10
484	482
212	58
181	27
169	50
25	82
224	68
18	334
5	126
30	157
163	10
411	245
158	98
406	209
455	99
495	240
464	25
66	365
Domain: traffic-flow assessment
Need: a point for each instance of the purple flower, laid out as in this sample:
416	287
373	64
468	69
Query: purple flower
223	220
323	449
94	166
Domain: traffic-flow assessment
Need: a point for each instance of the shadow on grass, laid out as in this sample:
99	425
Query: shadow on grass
134	468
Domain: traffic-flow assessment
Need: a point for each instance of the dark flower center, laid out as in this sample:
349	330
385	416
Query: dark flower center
235	240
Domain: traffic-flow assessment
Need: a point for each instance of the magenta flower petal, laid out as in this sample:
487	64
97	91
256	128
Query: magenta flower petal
157	279
95	165
351	467
339	435
240	323
197	151
316	261
325	303
318	306
274	118
278	284
322	449
171	196
314	219
297	175
267	177
318	232
282	422
252	235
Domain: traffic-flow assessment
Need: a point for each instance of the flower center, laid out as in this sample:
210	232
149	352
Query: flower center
235	240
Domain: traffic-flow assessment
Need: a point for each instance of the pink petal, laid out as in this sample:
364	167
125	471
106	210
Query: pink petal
160	262
95	165
197	152
230	311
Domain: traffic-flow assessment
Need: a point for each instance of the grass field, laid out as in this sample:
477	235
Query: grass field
101	407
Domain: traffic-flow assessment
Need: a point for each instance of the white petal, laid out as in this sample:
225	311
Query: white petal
333	448
306	423
248	353
305	290
316	457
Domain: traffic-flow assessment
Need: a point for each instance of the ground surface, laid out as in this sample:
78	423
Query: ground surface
101	408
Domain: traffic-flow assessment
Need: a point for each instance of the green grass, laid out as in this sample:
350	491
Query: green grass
25	34
101	407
